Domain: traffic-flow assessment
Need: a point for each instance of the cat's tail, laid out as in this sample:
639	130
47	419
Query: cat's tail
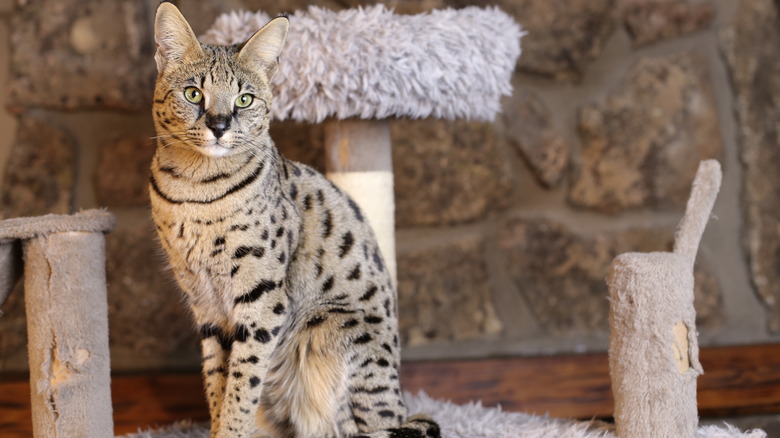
416	426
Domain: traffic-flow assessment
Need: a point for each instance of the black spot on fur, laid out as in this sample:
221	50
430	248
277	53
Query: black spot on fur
282	258
262	287
213	371
327	224
317	320
307	202
262	335
356	210
363	339
405	432
385	413
341	310
254	381
388	348
378	261
234	270
354	274
264	236
237	375
373	319
243	251
350	323
219	241
347	240
369	293
383	363
279	308
279	231
293	191
241	333
275	330
320	197
363	390
328	284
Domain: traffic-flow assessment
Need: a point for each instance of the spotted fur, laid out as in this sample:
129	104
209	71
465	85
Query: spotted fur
295	307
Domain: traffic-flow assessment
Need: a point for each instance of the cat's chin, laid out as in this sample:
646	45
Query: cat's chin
214	151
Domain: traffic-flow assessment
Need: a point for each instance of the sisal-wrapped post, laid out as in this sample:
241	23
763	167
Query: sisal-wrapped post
67	322
654	350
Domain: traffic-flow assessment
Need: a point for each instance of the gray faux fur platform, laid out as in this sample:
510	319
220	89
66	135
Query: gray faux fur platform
370	63
474	421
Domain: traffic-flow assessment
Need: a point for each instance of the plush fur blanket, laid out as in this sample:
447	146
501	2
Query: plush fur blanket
370	63
474	421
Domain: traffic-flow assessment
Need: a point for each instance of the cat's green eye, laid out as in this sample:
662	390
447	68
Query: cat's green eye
192	94
244	100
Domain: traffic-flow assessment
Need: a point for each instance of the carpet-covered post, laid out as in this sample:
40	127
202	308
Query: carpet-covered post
67	323
654	349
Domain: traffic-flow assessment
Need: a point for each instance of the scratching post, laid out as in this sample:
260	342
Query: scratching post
67	319
654	350
357	68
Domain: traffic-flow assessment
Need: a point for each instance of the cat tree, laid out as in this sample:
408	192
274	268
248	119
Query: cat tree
67	318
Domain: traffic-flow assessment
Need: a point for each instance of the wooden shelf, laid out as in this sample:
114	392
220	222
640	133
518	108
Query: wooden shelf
737	381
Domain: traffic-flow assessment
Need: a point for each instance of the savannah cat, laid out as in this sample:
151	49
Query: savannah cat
294	304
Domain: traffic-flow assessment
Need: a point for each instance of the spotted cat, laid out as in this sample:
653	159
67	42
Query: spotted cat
296	309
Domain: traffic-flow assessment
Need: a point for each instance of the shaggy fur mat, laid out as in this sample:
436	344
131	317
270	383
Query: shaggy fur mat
474	421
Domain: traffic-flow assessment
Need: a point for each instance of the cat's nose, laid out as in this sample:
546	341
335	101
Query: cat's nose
218	124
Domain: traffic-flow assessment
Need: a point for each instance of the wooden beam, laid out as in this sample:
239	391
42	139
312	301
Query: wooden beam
737	381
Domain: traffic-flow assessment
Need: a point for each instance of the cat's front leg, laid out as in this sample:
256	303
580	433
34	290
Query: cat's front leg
215	349
257	317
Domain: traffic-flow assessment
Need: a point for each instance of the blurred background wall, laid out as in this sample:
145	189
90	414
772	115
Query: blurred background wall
505	230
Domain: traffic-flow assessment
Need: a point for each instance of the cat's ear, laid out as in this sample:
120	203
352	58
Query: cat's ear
176	42
262	50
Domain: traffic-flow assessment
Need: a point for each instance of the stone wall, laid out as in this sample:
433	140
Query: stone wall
505	229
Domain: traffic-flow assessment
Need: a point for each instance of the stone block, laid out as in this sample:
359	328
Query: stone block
650	21
444	293
447	172
147	315
750	45
39	175
530	128
122	174
74	54
561	273
642	145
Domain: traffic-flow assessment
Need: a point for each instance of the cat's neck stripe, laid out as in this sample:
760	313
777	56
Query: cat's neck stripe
248	180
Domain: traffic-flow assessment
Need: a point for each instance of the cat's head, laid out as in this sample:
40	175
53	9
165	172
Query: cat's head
213	99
